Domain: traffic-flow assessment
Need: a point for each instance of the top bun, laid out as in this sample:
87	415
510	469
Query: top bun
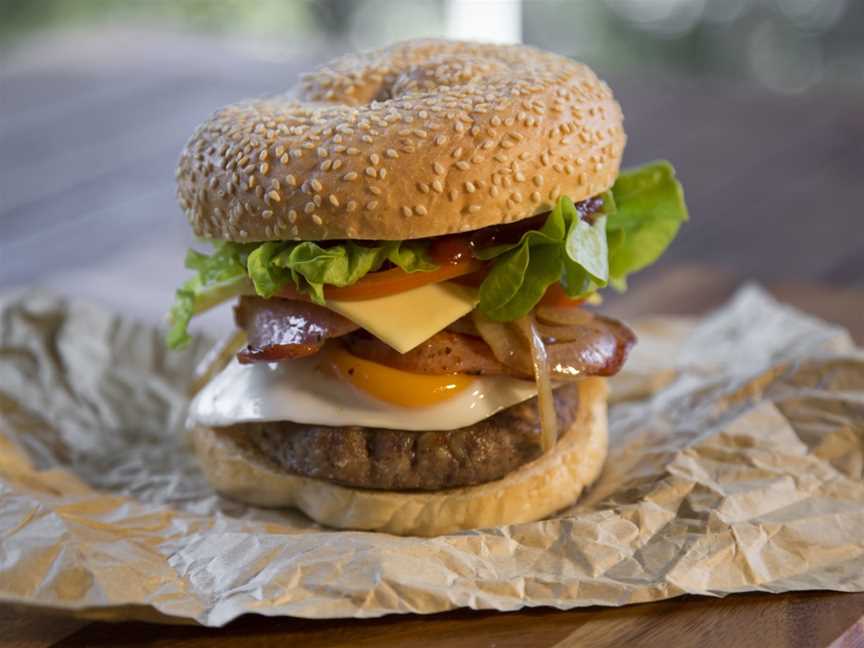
419	139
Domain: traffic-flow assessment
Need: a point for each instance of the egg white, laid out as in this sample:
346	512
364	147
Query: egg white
300	391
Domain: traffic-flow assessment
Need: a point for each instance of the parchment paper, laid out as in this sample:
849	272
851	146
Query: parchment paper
736	464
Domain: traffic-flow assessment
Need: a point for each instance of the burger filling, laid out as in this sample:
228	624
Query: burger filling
421	324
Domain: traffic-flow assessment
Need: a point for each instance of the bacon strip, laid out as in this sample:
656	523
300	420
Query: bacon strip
598	347
281	329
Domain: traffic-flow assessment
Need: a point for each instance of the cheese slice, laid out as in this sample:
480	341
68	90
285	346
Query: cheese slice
409	318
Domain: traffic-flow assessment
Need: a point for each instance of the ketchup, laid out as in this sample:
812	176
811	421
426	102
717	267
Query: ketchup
453	248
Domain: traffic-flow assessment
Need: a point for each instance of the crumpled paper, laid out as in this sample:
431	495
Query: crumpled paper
736	464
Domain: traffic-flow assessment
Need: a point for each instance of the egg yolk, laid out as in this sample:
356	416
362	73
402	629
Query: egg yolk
394	385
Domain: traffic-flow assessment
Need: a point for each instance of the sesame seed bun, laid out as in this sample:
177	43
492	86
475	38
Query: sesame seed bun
420	139
532	492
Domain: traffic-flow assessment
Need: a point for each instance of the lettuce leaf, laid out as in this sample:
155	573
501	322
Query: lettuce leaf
640	218
649	211
566	249
310	266
234	269
219	277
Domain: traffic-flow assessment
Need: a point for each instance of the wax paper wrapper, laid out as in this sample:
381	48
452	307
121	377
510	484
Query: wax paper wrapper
736	460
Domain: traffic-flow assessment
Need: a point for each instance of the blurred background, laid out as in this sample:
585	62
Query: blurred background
758	103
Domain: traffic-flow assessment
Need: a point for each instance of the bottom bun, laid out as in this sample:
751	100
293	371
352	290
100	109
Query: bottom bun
536	490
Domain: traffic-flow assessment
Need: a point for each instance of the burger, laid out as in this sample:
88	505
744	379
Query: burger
415	240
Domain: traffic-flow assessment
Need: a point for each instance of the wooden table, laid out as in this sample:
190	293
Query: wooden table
90	127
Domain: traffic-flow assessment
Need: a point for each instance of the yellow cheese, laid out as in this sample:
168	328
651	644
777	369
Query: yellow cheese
406	319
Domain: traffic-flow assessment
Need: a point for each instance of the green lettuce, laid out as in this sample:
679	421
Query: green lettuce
218	277
639	219
310	267
566	250
265	268
649	210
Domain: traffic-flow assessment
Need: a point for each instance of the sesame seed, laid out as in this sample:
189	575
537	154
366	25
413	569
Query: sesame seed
337	164
469	187
316	186
520	177
474	208
309	208
292	216
351	206
370	171
326	164
423	187
372	204
382	173
274	196
438	168
407	211
317	219
374	158
437	185
453	194
463	165
440	140
333	200
267	214
391	153
284	159
535	196
351	175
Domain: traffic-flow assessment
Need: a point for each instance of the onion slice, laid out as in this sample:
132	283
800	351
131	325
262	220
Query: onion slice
216	359
506	342
543	378
567	316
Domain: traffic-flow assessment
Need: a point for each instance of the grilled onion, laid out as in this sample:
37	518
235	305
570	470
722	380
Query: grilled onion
545	398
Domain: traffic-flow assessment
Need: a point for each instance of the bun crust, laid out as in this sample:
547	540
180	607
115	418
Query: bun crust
420	139
534	491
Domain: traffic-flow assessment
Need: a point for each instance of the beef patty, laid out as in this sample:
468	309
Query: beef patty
406	460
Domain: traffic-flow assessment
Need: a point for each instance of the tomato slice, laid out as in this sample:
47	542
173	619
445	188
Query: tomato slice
557	298
390	282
